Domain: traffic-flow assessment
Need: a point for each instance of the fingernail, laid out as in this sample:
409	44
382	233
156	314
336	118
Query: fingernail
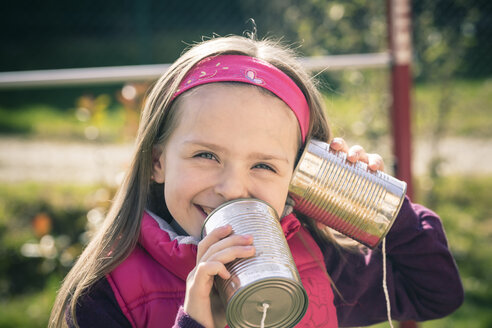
247	237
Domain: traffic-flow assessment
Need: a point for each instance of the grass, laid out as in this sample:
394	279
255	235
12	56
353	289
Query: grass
469	111
53	216
362	109
463	204
46	122
31	309
357	107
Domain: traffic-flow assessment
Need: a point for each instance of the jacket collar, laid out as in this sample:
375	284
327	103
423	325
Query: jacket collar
178	253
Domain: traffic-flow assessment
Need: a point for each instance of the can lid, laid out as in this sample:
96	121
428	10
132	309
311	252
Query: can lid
228	203
287	301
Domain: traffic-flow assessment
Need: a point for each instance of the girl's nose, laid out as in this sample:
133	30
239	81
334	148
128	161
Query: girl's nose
233	184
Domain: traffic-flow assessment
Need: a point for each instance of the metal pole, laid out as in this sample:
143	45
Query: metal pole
399	34
123	74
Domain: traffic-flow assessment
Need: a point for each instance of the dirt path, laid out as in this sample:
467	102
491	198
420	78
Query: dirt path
49	161
55	161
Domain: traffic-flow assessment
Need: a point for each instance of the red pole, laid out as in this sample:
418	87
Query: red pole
399	34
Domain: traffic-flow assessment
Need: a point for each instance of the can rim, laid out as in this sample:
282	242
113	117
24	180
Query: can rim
300	160
390	225
237	200
294	318
307	149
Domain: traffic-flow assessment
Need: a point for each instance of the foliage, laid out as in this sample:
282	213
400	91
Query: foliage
451	45
469	111
330	27
451	35
463	205
99	117
30	310
42	230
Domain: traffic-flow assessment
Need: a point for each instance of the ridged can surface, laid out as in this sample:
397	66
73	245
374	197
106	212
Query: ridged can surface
347	197
269	277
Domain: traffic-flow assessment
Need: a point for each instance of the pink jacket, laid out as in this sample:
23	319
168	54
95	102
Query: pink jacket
150	284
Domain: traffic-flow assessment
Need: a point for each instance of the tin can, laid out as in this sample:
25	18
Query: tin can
269	277
348	197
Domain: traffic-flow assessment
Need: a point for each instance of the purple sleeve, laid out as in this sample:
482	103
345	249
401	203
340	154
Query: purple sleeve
422	277
183	320
98	308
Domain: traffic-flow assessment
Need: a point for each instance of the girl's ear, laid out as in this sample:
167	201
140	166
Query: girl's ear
158	164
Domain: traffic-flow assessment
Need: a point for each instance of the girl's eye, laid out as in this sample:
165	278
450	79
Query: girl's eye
264	167
206	155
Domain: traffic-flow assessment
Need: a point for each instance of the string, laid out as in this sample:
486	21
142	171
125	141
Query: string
265	307
385	286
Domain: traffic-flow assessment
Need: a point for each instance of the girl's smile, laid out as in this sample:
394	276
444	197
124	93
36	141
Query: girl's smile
231	141
206	210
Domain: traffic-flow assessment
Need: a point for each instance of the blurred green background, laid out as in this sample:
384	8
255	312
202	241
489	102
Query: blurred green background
62	149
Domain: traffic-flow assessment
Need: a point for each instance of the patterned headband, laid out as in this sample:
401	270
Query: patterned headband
237	68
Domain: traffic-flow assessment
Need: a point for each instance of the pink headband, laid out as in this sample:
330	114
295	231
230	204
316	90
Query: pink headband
237	68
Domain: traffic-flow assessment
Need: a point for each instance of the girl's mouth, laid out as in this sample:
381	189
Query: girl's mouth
206	210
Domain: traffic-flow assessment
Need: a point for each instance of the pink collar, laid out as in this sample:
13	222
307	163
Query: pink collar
178	257
237	68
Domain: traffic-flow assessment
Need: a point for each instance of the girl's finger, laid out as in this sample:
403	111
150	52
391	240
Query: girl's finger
338	144
200	279
206	271
231	253
227	243
375	162
200	301
213	237
199	286
357	153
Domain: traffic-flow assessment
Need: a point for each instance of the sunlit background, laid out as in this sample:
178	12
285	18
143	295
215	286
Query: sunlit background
64	148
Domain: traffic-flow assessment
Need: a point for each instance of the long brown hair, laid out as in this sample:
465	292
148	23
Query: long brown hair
118	236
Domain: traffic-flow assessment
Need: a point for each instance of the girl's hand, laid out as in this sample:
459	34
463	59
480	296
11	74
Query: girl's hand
214	251
357	153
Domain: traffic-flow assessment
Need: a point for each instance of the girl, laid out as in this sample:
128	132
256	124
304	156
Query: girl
228	120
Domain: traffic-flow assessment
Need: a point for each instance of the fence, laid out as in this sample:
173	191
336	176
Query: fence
57	34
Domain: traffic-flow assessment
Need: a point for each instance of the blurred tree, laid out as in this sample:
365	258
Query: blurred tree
452	38
93	33
325	27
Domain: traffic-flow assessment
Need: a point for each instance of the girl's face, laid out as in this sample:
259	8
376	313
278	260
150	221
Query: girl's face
231	141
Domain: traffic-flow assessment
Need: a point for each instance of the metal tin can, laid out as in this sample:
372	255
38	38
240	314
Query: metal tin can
348	197
269	277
